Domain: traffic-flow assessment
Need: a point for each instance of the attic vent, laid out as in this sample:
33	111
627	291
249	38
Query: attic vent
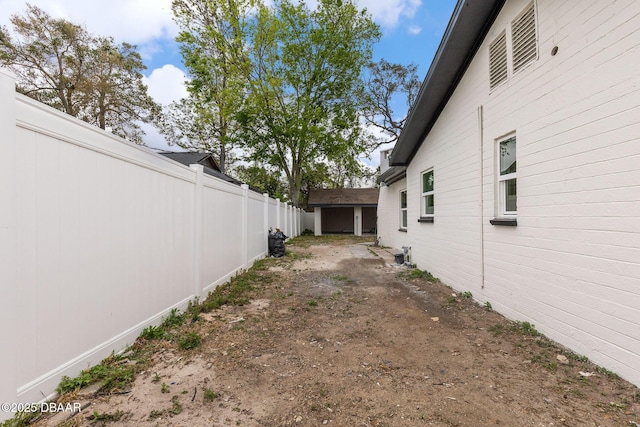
523	30
498	60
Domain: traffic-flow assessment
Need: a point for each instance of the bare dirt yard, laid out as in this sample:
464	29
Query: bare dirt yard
336	334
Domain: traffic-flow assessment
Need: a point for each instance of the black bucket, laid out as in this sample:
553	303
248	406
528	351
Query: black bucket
399	258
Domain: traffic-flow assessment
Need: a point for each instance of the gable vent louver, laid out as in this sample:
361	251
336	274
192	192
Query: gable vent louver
523	33
498	60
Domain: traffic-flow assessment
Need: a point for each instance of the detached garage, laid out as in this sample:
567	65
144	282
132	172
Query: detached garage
344	210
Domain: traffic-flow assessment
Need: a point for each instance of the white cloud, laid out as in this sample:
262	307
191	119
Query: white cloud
388	13
166	84
414	30
133	21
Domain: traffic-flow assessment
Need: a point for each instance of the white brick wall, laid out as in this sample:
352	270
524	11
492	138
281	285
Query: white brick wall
572	265
389	216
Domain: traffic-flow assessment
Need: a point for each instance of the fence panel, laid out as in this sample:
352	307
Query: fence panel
101	238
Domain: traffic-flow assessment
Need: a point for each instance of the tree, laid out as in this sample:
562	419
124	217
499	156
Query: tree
61	64
213	40
50	58
189	126
262	179
304	101
114	95
387	84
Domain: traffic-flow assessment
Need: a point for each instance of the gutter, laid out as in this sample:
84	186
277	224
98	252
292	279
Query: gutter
469	24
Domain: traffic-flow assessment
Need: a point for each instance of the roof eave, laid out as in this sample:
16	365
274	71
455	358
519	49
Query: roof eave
393	174
469	24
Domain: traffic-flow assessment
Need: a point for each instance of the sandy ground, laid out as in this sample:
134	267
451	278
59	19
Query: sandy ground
336	336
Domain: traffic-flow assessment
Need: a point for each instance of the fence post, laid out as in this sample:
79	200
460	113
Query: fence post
265	228
298	231
317	221
277	213
198	224
8	241
245	226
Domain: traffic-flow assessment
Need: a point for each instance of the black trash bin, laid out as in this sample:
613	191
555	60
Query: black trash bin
399	258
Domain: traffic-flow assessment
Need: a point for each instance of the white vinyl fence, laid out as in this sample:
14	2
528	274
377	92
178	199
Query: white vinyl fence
100	238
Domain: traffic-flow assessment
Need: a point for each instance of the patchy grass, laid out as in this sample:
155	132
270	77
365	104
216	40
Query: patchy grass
306	241
415	273
116	373
210	395
108	416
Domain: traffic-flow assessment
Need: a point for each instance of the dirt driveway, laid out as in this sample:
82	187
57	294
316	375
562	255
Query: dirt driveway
336	334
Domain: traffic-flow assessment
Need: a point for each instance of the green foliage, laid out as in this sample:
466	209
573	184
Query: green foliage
152	333
174	319
607	372
213	41
303	105
210	395
107	416
21	419
262	179
415	273
111	372
235	292
63	65
526	328
190	341
176	407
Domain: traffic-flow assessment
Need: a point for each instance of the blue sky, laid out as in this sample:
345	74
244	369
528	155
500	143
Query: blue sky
411	33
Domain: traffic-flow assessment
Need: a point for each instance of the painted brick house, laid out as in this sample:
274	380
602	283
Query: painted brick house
517	175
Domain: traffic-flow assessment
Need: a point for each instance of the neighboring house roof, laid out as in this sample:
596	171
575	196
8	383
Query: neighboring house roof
469	24
343	197
205	159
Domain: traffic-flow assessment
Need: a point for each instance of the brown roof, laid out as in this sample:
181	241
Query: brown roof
343	197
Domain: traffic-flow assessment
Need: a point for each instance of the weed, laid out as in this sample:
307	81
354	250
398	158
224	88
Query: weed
312	303
487	306
341	278
573	356
577	393
156	378
497	329
233	292
210	395
107	417
525	328
152	333
164	388
416	273
467	295
113	374
604	371
155	414
21	419
190	341
452	299
173	320
176	407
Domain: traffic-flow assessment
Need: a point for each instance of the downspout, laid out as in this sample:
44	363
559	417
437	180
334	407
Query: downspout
481	135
